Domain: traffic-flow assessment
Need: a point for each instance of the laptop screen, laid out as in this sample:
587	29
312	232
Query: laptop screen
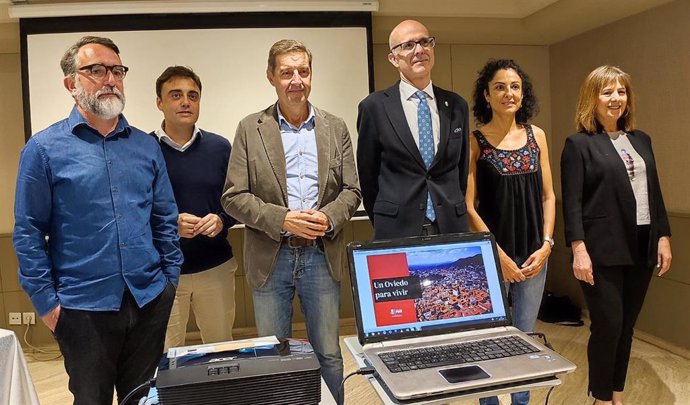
426	285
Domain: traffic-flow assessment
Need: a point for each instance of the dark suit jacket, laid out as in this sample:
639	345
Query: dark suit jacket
256	188
392	174
598	202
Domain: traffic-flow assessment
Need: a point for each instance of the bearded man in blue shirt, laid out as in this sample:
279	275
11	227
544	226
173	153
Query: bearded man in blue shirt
96	231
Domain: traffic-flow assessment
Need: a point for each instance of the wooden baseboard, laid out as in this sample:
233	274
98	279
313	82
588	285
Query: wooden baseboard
652	340
663	344
348	327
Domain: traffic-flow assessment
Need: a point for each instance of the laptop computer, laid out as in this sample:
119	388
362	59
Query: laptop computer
432	317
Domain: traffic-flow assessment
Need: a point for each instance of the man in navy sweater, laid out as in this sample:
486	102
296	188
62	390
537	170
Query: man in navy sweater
197	162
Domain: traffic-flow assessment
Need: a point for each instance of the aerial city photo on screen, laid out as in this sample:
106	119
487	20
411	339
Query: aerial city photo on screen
451	289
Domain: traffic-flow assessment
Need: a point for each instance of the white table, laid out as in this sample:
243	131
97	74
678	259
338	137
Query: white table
16	387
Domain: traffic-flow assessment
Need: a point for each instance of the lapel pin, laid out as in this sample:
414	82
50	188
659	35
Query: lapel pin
446	103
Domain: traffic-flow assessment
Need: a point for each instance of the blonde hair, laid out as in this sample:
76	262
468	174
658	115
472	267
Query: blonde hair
585	114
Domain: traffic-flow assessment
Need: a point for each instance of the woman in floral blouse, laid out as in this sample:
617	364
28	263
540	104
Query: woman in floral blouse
509	191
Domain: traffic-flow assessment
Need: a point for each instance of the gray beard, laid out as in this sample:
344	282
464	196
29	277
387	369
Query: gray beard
106	109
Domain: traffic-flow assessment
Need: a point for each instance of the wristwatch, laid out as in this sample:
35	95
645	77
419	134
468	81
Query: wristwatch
549	239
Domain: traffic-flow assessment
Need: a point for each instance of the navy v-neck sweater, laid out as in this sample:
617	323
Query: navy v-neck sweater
197	176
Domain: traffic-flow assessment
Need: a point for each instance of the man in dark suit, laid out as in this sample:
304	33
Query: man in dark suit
413	146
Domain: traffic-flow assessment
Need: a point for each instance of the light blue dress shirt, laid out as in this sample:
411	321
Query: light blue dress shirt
301	162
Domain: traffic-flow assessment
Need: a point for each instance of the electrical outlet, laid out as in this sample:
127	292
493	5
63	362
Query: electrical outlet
28	318
15	318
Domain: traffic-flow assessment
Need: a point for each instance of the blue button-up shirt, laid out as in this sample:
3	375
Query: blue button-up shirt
107	208
301	162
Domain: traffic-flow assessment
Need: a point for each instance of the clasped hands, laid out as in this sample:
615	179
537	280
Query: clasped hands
530	268
189	226
307	224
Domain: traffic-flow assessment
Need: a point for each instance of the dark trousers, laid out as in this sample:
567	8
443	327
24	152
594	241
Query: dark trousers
614	301
121	348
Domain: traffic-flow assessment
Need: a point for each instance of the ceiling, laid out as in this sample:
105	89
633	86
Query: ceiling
523	22
460	8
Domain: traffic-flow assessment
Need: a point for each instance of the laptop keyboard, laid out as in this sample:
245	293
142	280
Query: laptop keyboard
446	355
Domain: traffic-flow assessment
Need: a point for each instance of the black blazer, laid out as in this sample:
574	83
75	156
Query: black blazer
598	201
392	174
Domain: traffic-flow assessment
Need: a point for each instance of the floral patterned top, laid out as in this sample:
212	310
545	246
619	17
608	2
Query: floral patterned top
510	162
509	195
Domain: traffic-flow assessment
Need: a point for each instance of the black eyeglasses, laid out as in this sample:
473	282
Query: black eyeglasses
100	71
408	46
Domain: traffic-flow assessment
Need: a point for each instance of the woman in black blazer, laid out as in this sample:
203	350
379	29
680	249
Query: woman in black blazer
615	222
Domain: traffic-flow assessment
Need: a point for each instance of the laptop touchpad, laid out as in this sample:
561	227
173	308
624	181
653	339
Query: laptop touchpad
462	374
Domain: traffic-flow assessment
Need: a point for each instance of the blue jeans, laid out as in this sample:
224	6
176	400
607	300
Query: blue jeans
526	300
306	271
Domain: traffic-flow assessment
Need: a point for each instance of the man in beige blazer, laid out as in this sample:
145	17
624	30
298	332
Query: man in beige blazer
292	181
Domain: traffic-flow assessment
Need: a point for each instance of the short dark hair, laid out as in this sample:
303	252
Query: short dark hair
482	112
176	71
68	63
285	46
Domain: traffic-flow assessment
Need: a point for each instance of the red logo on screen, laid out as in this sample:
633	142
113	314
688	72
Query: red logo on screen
387	274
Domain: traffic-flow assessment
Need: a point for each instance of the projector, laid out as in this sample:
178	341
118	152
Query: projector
255	377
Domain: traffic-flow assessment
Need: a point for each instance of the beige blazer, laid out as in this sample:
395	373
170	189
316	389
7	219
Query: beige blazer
256	188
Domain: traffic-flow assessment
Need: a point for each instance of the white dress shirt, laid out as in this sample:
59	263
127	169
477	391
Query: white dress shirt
410	103
163	137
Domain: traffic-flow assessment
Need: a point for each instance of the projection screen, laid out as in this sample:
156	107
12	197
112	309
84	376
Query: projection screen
229	52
